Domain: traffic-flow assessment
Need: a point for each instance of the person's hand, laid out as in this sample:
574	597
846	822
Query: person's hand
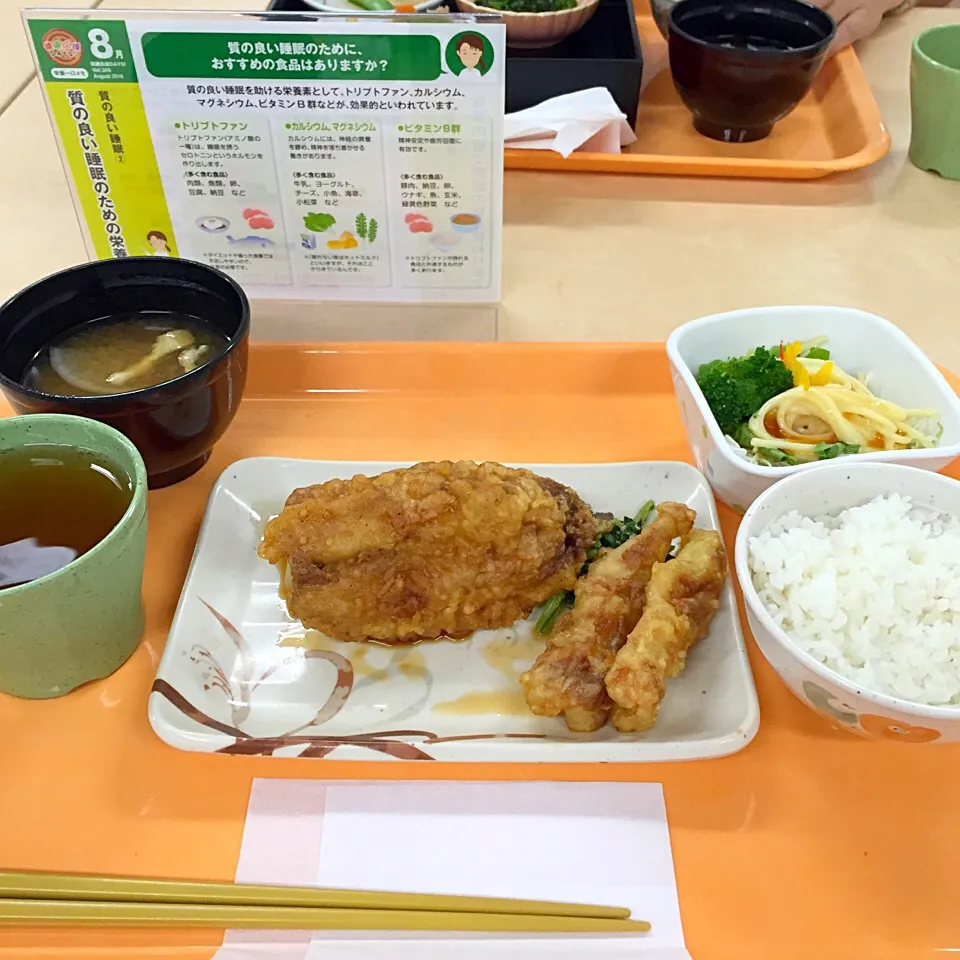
856	19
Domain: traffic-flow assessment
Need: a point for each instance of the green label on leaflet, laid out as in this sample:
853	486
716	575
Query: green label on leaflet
267	56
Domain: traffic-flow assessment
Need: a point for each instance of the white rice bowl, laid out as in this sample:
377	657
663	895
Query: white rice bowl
871	592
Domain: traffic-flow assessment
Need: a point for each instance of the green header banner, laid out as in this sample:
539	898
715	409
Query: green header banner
80	51
268	56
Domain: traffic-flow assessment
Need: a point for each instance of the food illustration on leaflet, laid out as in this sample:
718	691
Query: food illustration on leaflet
250	241
365	230
319	222
444	242
258	219
418	223
465	222
213	224
346	241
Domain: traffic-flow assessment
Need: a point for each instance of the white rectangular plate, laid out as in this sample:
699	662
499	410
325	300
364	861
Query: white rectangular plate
231	682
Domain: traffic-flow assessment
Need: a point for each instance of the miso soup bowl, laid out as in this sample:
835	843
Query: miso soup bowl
174	425
859	342
741	65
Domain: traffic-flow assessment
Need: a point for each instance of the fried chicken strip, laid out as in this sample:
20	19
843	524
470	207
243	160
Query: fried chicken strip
436	549
568	676
682	598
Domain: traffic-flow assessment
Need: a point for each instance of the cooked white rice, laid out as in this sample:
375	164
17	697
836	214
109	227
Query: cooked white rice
873	593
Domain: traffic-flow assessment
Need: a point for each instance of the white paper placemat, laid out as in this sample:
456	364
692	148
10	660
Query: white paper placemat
589	842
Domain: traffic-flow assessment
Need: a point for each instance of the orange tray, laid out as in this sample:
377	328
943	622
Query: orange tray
837	127
810	843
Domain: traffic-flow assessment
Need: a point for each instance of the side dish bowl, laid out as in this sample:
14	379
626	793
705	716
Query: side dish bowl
661	15
174	424
830	490
534	31
339	6
860	342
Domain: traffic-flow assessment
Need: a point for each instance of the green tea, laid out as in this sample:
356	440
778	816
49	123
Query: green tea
56	503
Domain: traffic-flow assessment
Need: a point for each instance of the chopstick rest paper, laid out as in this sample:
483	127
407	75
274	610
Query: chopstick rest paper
584	842
587	120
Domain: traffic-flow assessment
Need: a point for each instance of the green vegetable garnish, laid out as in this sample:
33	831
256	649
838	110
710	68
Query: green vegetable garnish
641	518
736	388
619	533
551	610
373	4
774	456
817	353
743	435
528	6
828	451
319	222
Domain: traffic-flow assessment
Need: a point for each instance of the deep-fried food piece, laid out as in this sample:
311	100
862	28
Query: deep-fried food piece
682	597
568	676
437	549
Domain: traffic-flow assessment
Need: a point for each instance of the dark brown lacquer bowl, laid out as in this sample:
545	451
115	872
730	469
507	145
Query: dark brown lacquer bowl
742	65
175	424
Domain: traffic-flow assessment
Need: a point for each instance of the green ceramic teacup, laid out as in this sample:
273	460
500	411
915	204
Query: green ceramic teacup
935	101
86	619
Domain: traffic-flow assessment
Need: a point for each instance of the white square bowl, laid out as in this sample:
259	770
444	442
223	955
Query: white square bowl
859	342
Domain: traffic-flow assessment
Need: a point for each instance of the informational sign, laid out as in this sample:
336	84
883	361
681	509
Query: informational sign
324	157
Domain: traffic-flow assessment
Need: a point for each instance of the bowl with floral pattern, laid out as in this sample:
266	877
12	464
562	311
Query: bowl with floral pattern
844	703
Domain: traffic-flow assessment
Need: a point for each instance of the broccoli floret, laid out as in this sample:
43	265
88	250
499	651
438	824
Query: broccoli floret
737	388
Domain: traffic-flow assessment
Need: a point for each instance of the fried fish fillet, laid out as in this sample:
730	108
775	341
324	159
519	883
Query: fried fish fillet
568	676
682	598
437	549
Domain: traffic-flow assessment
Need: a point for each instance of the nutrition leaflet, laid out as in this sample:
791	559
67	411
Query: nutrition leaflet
322	159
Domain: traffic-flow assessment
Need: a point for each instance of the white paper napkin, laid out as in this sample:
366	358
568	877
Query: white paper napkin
587	842
589	120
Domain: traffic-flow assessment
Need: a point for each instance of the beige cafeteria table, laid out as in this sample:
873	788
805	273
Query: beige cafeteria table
609	258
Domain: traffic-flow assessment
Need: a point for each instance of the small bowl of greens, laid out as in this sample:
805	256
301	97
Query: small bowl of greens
767	392
534	24
374	6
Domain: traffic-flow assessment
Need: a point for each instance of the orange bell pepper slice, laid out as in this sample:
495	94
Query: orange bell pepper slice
790	357
822	377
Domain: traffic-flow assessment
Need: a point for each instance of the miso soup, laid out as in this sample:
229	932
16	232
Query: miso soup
122	354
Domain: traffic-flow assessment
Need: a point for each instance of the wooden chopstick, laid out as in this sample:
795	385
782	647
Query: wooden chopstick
19	885
83	913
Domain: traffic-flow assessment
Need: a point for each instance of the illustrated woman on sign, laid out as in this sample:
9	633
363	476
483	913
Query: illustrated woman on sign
158	241
470	54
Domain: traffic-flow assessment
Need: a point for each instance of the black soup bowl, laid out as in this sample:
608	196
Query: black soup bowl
742	65
174	424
